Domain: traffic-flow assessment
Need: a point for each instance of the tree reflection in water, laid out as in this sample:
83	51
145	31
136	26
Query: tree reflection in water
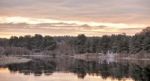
82	68
36	67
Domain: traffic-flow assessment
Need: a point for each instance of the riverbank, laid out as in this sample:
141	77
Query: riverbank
94	56
4	60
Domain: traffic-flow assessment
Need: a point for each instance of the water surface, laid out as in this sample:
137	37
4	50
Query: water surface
69	69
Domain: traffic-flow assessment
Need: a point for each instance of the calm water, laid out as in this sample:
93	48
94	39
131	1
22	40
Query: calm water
68	69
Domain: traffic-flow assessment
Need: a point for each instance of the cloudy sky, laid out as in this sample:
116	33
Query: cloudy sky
73	17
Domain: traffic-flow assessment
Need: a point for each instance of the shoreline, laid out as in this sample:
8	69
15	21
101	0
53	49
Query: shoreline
5	60
107	57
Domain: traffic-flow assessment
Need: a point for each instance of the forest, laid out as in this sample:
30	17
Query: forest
121	44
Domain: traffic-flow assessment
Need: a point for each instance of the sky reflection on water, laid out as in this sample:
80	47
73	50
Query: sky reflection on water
5	75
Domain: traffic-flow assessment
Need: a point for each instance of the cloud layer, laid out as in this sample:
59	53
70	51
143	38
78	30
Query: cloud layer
117	11
22	26
92	17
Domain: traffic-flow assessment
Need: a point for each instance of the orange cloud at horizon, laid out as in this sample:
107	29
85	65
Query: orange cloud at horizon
18	26
17	19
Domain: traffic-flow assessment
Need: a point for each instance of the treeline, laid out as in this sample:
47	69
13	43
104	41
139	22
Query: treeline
121	43
114	43
33	42
139	43
26	45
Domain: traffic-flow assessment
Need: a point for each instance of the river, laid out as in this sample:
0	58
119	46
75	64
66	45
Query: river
69	69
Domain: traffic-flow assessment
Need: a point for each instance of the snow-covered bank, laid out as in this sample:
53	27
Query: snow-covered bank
10	60
94	56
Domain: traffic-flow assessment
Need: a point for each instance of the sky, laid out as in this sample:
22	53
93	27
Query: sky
73	17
